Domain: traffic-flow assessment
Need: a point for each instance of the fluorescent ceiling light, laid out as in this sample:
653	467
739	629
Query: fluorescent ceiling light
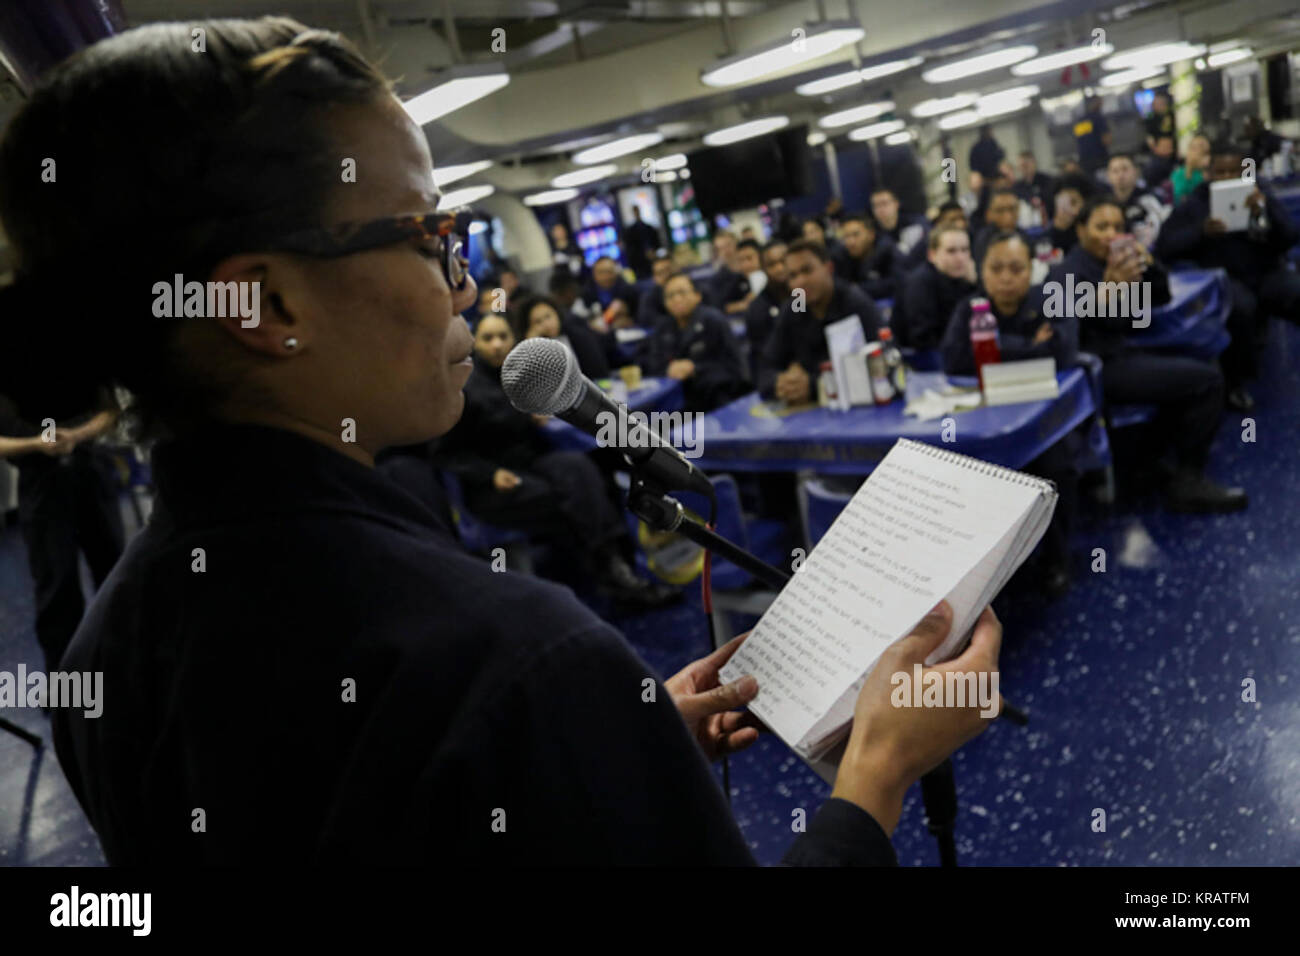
869	73
619	147
876	130
829	84
1200	63
982	113
684	174
899	138
856	115
580	177
958	120
450	174
1000	107
666	177
944	104
460	87
979	64
550	197
1152	84
1126	77
1073	98
734	134
477	226
816	138
1156	54
819	40
464	197
675	161
839	81
1216	60
1062	59
1013	95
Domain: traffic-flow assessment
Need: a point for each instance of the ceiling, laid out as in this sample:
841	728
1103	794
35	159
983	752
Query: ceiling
584	71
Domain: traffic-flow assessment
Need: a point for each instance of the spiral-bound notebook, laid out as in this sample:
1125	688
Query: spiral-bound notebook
928	524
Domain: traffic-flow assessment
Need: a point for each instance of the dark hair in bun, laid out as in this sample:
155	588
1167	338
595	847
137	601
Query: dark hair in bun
165	160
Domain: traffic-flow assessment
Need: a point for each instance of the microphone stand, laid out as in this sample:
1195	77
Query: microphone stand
650	502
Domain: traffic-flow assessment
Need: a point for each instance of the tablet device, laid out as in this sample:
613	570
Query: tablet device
1228	203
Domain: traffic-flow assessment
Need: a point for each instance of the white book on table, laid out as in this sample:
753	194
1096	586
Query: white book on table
1030	380
927	525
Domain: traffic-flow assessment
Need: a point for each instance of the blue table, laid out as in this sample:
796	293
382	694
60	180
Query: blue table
1192	323
655	394
749	435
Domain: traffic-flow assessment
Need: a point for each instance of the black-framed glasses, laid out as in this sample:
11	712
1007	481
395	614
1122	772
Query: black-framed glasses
450	232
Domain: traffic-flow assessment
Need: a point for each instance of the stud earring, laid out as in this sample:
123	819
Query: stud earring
291	343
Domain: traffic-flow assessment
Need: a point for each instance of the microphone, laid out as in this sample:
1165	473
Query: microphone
541	376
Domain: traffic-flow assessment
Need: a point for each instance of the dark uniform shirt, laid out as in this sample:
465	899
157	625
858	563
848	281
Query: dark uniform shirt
496	721
760	317
1088	133
876	273
707	340
801	336
1015	335
927	302
1102	335
490	434
1247	255
725	287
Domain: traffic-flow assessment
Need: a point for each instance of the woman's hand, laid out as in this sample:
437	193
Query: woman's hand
1043	334
503	480
891	747
710	708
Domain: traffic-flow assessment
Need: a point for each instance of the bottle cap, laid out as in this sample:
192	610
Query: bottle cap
886	334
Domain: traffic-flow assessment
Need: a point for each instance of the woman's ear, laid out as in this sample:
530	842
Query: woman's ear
262	301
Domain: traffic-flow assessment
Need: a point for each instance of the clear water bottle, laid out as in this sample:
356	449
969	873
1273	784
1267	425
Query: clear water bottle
983	336
894	370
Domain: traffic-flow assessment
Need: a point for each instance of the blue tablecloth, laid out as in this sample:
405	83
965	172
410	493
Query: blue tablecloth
748	436
655	394
1193	321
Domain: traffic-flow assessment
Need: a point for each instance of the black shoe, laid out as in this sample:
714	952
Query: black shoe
1239	400
621	583
1193	492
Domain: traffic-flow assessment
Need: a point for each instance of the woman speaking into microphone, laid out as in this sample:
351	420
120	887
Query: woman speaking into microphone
297	663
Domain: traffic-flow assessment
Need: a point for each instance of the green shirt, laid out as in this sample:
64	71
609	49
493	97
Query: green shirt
1184	184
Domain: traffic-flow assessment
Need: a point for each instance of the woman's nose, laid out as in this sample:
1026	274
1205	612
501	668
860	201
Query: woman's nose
464	298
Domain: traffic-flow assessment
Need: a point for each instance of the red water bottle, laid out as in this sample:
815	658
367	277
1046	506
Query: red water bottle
983	336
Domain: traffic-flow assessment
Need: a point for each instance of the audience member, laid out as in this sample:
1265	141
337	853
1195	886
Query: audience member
795	350
1188	392
866	258
761	315
651	306
986	154
1191	173
695	345
1024	332
513	479
1143	211
541	316
1092	137
933	290
1262	285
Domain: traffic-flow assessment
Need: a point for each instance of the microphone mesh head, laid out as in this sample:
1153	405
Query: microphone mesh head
541	377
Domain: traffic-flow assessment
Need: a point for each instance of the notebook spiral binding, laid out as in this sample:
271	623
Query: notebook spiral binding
983	467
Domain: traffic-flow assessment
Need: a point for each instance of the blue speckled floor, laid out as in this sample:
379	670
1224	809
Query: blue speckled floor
1133	682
